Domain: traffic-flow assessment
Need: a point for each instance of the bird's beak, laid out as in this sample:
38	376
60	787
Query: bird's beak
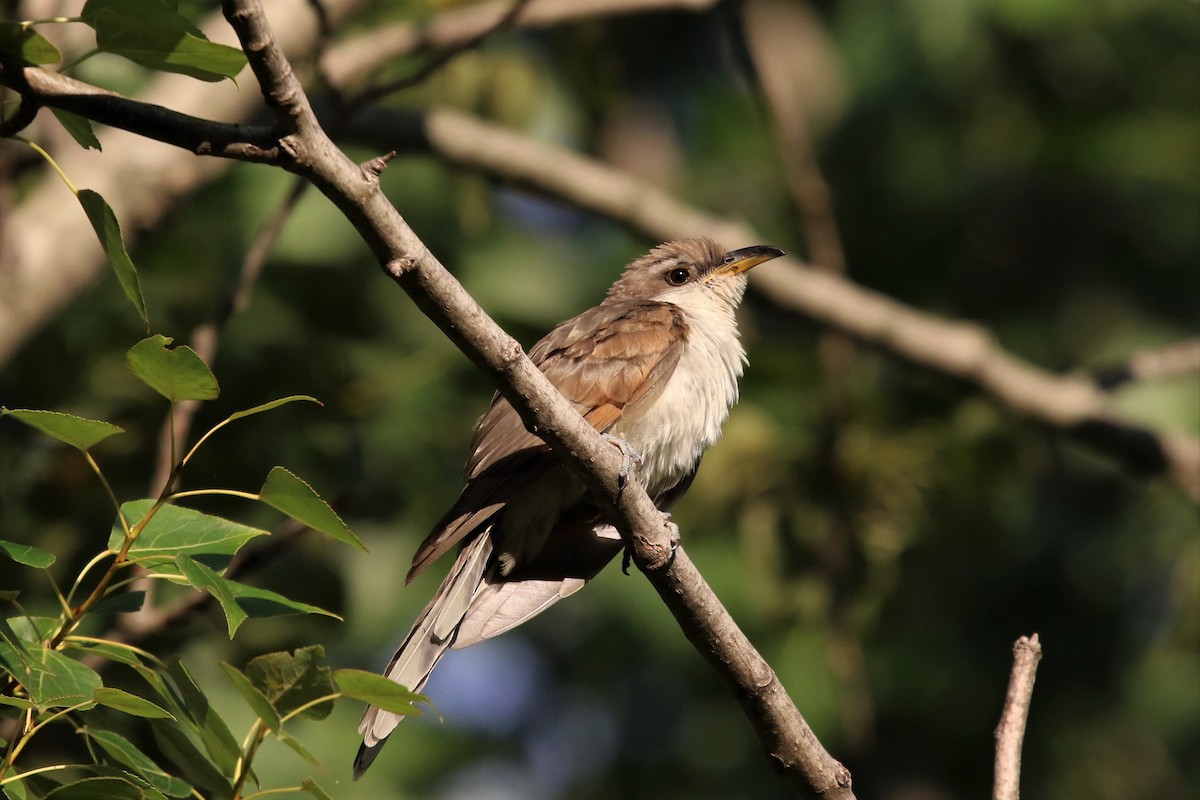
738	261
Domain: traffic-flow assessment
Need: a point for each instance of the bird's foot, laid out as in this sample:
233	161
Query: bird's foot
632	458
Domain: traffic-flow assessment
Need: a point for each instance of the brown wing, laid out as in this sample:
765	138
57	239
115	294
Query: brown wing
607	361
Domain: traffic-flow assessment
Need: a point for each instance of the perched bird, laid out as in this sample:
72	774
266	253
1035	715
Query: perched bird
655	366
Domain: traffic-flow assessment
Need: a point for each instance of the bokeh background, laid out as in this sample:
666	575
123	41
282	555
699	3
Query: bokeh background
882	533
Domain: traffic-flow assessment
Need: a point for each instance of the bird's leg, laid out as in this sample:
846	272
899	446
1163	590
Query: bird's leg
632	458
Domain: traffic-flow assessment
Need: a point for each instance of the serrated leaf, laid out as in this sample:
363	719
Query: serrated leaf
174	530
175	372
256	700
78	432
260	603
214	733
291	495
156	37
51	679
310	786
26	554
127	754
273	404
79	127
98	789
290	680
123	603
206	580
15	702
130	703
108	231
378	691
194	765
27	45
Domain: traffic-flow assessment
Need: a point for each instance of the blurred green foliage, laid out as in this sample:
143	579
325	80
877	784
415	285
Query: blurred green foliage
882	534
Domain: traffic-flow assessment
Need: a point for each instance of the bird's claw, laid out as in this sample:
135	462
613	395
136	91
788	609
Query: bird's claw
631	459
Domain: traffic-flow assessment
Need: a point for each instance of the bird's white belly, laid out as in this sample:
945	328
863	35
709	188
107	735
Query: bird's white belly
674	430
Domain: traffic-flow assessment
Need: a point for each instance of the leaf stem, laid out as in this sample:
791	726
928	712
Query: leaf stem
301	709
37	148
108	489
249	747
198	492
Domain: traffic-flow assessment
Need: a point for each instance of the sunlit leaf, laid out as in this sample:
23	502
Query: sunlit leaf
76	431
290	680
130	703
51	679
294	497
26	554
107	650
79	127
150	33
126	753
256	700
174	371
108	230
174	530
378	691
273	404
27	45
205	579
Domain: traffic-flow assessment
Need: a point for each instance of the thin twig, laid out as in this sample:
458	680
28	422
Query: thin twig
1010	733
1180	358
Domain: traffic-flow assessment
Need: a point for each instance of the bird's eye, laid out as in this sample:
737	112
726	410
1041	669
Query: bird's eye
678	276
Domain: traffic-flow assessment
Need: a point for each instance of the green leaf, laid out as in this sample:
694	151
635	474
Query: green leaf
214	733
33	629
260	603
298	748
106	771
257	701
79	127
205	579
176	373
109	651
108	230
15	702
78	432
130	703
194	765
291	495
51	679
26	554
98	789
289	680
273	404
122	603
126	753
174	530
316	791
27	45
153	35
378	691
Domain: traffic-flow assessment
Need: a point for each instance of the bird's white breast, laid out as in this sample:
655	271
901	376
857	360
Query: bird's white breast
676	428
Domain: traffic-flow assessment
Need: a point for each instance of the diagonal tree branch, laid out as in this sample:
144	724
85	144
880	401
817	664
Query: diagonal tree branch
784	735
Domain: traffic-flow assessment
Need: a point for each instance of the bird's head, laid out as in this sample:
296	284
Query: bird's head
691	271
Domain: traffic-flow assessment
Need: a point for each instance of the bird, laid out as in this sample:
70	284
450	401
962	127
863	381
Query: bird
654	367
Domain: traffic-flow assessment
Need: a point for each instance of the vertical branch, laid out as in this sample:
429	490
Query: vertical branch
1010	733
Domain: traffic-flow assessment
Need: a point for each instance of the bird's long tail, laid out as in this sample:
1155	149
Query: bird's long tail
430	637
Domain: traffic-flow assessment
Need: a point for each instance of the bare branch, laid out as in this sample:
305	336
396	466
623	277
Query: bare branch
1010	733
1071	403
406	259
